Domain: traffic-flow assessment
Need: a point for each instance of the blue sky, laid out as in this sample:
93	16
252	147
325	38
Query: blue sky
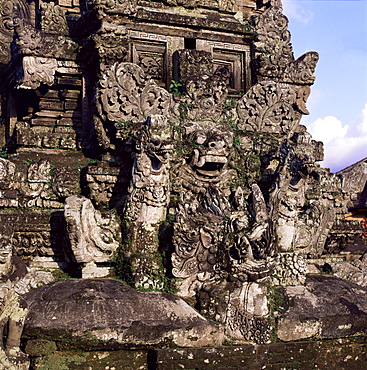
337	30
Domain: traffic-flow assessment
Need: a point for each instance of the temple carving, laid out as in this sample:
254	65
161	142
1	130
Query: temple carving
160	143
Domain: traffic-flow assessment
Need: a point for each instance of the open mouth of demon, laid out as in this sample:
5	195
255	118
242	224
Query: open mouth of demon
160	156
209	165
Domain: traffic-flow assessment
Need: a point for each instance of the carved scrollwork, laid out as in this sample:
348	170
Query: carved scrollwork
274	54
268	107
126	7
33	243
53	19
36	71
301	70
8	11
273	47
39	171
127	94
7	170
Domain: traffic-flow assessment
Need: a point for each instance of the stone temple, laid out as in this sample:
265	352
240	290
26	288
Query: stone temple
161	206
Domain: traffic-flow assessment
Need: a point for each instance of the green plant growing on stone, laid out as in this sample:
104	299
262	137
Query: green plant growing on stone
92	161
175	87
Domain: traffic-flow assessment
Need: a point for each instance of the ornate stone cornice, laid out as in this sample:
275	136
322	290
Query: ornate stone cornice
229	6
125	7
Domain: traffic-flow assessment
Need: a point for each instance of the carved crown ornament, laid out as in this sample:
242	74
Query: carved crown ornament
274	55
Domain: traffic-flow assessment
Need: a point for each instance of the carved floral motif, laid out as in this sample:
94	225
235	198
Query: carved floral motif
36	71
268	107
127	94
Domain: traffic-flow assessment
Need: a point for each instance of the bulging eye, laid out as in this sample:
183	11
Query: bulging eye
200	138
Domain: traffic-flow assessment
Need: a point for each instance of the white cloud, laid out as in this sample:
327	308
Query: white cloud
293	10
327	129
344	144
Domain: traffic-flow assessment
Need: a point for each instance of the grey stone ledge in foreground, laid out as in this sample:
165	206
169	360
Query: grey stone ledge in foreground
105	313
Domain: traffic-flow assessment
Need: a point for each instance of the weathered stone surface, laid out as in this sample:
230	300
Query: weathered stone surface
346	353
107	314
74	360
325	307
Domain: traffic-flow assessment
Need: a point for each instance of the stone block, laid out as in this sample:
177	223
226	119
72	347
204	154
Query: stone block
51	105
43	122
69	81
72	104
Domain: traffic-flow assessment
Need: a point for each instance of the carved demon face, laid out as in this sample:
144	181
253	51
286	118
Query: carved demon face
212	151
155	141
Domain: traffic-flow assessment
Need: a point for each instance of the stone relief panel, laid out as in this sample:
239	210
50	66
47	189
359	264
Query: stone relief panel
152	59
53	19
191	63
